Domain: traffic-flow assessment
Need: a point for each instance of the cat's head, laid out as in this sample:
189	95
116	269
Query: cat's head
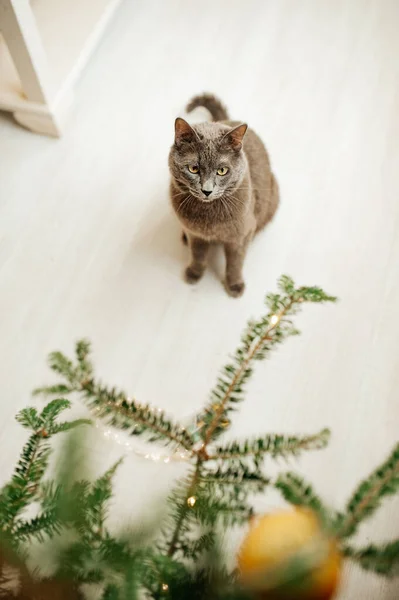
207	159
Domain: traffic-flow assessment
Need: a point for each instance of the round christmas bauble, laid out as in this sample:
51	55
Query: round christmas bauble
286	555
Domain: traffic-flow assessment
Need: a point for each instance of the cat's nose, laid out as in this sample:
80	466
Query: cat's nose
207	192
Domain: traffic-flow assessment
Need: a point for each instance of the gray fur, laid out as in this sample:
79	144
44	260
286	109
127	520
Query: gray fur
215	107
227	209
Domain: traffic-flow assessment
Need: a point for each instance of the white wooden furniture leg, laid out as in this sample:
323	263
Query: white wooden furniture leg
22	37
44	47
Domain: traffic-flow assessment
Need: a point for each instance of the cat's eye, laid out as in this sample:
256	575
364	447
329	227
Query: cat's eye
222	171
193	169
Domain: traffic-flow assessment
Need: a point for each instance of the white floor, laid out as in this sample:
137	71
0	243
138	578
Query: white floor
89	246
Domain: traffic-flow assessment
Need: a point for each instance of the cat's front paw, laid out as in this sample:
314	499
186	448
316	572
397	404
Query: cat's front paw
235	290
192	275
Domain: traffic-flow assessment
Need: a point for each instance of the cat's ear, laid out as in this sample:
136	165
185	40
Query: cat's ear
234	137
183	132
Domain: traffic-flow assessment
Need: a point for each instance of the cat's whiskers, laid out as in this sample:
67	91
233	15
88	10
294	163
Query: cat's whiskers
236	201
226	206
185	202
253	188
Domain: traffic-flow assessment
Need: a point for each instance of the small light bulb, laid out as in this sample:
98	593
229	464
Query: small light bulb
165	587
274	319
191	501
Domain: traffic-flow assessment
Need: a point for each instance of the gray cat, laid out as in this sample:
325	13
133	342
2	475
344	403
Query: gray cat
222	189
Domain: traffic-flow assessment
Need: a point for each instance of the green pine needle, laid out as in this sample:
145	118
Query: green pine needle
234	475
139	420
194	549
367	497
112	405
383	560
29	418
59	389
25	485
111	592
298	492
52	410
273	445
40	527
258	340
69	425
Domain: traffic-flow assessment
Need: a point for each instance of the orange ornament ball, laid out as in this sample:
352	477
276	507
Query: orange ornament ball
286	555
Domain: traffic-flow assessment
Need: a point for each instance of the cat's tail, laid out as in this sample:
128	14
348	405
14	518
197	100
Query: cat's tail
211	103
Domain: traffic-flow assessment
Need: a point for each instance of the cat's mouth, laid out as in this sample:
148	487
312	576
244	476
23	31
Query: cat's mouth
207	199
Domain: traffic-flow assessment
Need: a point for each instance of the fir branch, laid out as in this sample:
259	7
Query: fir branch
44	525
82	350
82	505
94	556
182	509
383	560
296	491
162	570
100	493
58	389
50	494
24	487
51	411
59	363
74	374
113	405
136	418
229	511
69	425
111	592
235	475
193	549
258	340
366	499
273	444
29	418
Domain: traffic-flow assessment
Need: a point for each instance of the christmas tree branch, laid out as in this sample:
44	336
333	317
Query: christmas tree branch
366	499
111	404
46	524
258	340
184	507
193	549
134	417
24	487
274	445
235	476
297	491
380	559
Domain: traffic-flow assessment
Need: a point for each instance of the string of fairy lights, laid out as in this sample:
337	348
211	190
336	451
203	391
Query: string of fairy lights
123	440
